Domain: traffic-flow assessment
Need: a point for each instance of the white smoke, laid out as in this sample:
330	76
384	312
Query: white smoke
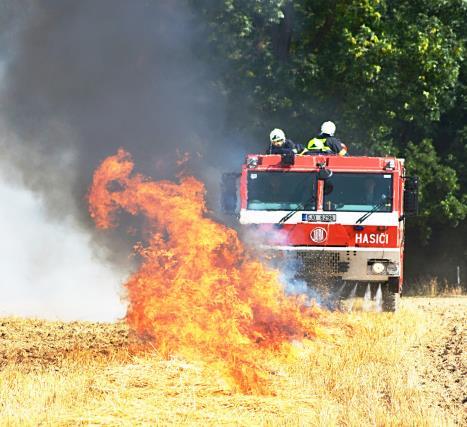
48	267
114	74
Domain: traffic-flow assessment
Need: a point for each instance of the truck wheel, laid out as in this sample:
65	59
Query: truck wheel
391	301
391	296
336	294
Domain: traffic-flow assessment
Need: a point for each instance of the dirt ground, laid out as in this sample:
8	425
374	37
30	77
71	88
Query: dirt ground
38	343
444	351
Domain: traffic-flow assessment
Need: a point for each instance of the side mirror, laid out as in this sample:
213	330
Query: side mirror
229	188
411	196
328	187
324	174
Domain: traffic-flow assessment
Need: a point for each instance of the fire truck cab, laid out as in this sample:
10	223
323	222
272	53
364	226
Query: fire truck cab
343	216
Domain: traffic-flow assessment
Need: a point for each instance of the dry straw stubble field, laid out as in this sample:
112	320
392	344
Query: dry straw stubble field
368	369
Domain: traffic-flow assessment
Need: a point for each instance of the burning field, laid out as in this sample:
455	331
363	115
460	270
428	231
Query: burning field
211	337
198	292
370	369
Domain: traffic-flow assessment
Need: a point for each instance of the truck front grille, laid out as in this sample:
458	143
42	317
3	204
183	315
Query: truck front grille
322	264
307	263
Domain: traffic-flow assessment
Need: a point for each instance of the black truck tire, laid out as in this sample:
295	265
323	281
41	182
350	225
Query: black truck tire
391	295
391	301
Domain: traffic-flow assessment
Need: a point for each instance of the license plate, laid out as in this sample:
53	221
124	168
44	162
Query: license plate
319	217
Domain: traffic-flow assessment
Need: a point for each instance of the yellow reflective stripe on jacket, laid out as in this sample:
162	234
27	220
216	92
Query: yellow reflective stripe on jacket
318	144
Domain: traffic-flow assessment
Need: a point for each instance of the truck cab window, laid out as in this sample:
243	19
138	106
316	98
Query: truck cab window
281	190
358	192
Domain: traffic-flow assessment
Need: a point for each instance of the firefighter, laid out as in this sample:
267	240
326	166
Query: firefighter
281	145
326	142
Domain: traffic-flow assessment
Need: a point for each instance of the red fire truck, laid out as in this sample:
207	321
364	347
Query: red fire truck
341	216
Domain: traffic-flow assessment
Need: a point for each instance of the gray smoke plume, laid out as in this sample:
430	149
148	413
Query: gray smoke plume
93	76
79	79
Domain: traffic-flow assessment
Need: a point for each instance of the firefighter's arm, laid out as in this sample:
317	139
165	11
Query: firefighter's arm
300	149
304	148
343	151
294	147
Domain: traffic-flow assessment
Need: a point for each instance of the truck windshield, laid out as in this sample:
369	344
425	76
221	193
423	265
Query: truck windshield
279	191
358	192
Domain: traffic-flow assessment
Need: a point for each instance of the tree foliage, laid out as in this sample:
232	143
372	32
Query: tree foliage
390	73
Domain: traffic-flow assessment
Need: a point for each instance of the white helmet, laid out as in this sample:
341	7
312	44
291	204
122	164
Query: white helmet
277	135
328	128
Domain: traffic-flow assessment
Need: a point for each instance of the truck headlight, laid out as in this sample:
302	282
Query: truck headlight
392	268
377	268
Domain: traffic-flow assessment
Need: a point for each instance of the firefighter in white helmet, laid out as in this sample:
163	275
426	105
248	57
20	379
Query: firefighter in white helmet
281	145
326	142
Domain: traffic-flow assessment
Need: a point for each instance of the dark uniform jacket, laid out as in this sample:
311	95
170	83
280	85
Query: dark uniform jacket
286	148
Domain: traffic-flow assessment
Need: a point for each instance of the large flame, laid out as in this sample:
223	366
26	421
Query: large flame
198	293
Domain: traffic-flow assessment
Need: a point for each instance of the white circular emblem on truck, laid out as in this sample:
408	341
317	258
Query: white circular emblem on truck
318	235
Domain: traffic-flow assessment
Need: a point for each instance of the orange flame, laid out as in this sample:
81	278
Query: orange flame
198	293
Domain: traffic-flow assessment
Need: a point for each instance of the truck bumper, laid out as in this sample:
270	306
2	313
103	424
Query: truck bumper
347	263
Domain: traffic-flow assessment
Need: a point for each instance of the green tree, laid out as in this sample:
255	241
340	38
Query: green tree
390	73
